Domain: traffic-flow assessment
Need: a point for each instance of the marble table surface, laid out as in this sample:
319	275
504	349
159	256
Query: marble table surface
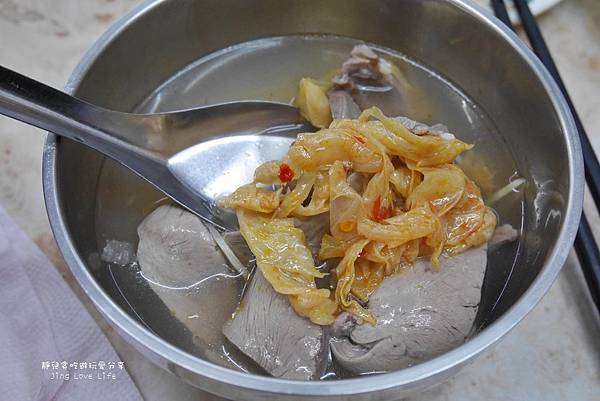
554	354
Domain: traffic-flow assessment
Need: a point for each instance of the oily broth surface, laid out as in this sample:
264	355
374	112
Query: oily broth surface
269	69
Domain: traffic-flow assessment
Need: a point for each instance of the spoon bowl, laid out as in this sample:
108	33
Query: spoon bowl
193	156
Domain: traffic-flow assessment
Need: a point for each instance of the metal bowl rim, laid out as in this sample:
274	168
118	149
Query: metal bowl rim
409	377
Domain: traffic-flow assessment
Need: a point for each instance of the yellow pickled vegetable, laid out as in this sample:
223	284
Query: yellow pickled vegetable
367	278
268	172
346	275
253	198
401	179
441	189
397	230
319	200
345	204
390	196
292	200
313	151
286	262
313	103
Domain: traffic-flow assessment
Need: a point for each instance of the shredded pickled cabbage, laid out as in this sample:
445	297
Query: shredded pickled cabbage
286	262
390	195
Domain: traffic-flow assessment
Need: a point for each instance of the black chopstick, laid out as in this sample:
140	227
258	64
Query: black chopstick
585	243
589	258
501	12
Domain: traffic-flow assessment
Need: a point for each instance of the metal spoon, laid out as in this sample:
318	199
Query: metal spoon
193	156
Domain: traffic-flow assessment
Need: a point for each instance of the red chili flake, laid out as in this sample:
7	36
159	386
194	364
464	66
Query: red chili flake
286	174
376	208
384	213
359	139
363	253
379	213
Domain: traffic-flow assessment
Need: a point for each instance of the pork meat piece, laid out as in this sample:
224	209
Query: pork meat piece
418	128
183	265
269	331
362	65
342	105
373	81
420	314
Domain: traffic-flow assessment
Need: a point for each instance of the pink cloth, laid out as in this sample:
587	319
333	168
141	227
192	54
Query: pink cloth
43	323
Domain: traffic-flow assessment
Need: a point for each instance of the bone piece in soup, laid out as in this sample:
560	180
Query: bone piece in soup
118	252
268	330
420	314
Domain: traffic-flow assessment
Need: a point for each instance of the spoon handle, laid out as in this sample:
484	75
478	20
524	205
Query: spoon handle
119	136
34	103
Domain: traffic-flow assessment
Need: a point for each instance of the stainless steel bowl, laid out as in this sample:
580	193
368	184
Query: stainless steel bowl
457	38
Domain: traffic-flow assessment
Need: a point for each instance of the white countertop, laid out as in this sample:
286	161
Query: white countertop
554	354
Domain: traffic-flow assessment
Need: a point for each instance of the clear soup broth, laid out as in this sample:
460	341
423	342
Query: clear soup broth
269	69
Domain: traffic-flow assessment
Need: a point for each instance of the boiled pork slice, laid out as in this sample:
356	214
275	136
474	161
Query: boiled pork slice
183	265
363	64
420	314
269	331
418	128
342	105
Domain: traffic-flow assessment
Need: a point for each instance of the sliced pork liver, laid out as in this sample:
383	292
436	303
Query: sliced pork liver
420	314
188	272
267	329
